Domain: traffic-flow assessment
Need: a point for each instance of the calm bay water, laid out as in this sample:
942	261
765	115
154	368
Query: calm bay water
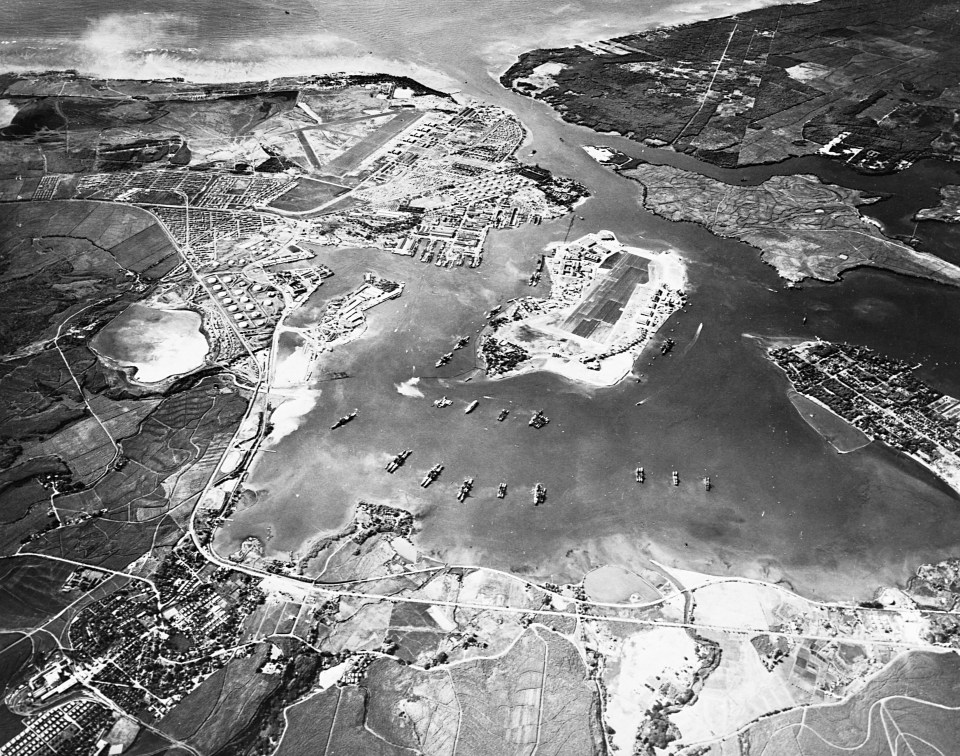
784	504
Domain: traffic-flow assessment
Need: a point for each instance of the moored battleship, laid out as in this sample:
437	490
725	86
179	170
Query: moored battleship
501	490
397	462
676	478
538	420
707	485
432	474
344	420
465	489
641	476
539	494
442	402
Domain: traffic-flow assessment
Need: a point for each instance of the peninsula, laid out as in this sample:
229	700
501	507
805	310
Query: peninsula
869	84
881	397
803	227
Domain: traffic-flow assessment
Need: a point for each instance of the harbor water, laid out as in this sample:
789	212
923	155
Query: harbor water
783	505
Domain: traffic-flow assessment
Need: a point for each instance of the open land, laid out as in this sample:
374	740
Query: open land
842	436
607	301
948	211
802	227
870	85
912	701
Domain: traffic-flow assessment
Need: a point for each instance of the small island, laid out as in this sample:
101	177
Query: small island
607	301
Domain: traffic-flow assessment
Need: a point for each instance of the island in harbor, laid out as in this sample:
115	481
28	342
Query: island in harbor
607	302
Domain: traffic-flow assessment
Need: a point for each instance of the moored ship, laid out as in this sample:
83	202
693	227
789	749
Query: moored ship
501	490
538	420
397	462
676	478
471	407
344	420
462	342
539	494
442	402
707	485
432	474
465	489
641	476
503	415
444	359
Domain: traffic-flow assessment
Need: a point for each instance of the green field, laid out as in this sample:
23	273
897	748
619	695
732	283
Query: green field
913	703
223	704
30	591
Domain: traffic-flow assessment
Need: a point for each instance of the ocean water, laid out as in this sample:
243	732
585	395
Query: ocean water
446	41
784	503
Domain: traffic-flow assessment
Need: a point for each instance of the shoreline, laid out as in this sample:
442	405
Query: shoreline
674	18
794	395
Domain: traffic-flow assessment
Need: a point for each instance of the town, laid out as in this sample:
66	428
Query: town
402	170
880	396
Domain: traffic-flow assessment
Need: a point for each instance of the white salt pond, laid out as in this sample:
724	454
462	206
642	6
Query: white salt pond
157	343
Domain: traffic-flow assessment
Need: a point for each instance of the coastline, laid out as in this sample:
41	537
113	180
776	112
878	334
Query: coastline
855	440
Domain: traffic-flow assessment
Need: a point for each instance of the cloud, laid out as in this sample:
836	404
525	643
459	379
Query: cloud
7	112
123	34
163	45
289	416
409	388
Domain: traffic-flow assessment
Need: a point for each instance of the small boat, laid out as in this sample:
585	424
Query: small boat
344	420
503	415
501	490
472	406
442	402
